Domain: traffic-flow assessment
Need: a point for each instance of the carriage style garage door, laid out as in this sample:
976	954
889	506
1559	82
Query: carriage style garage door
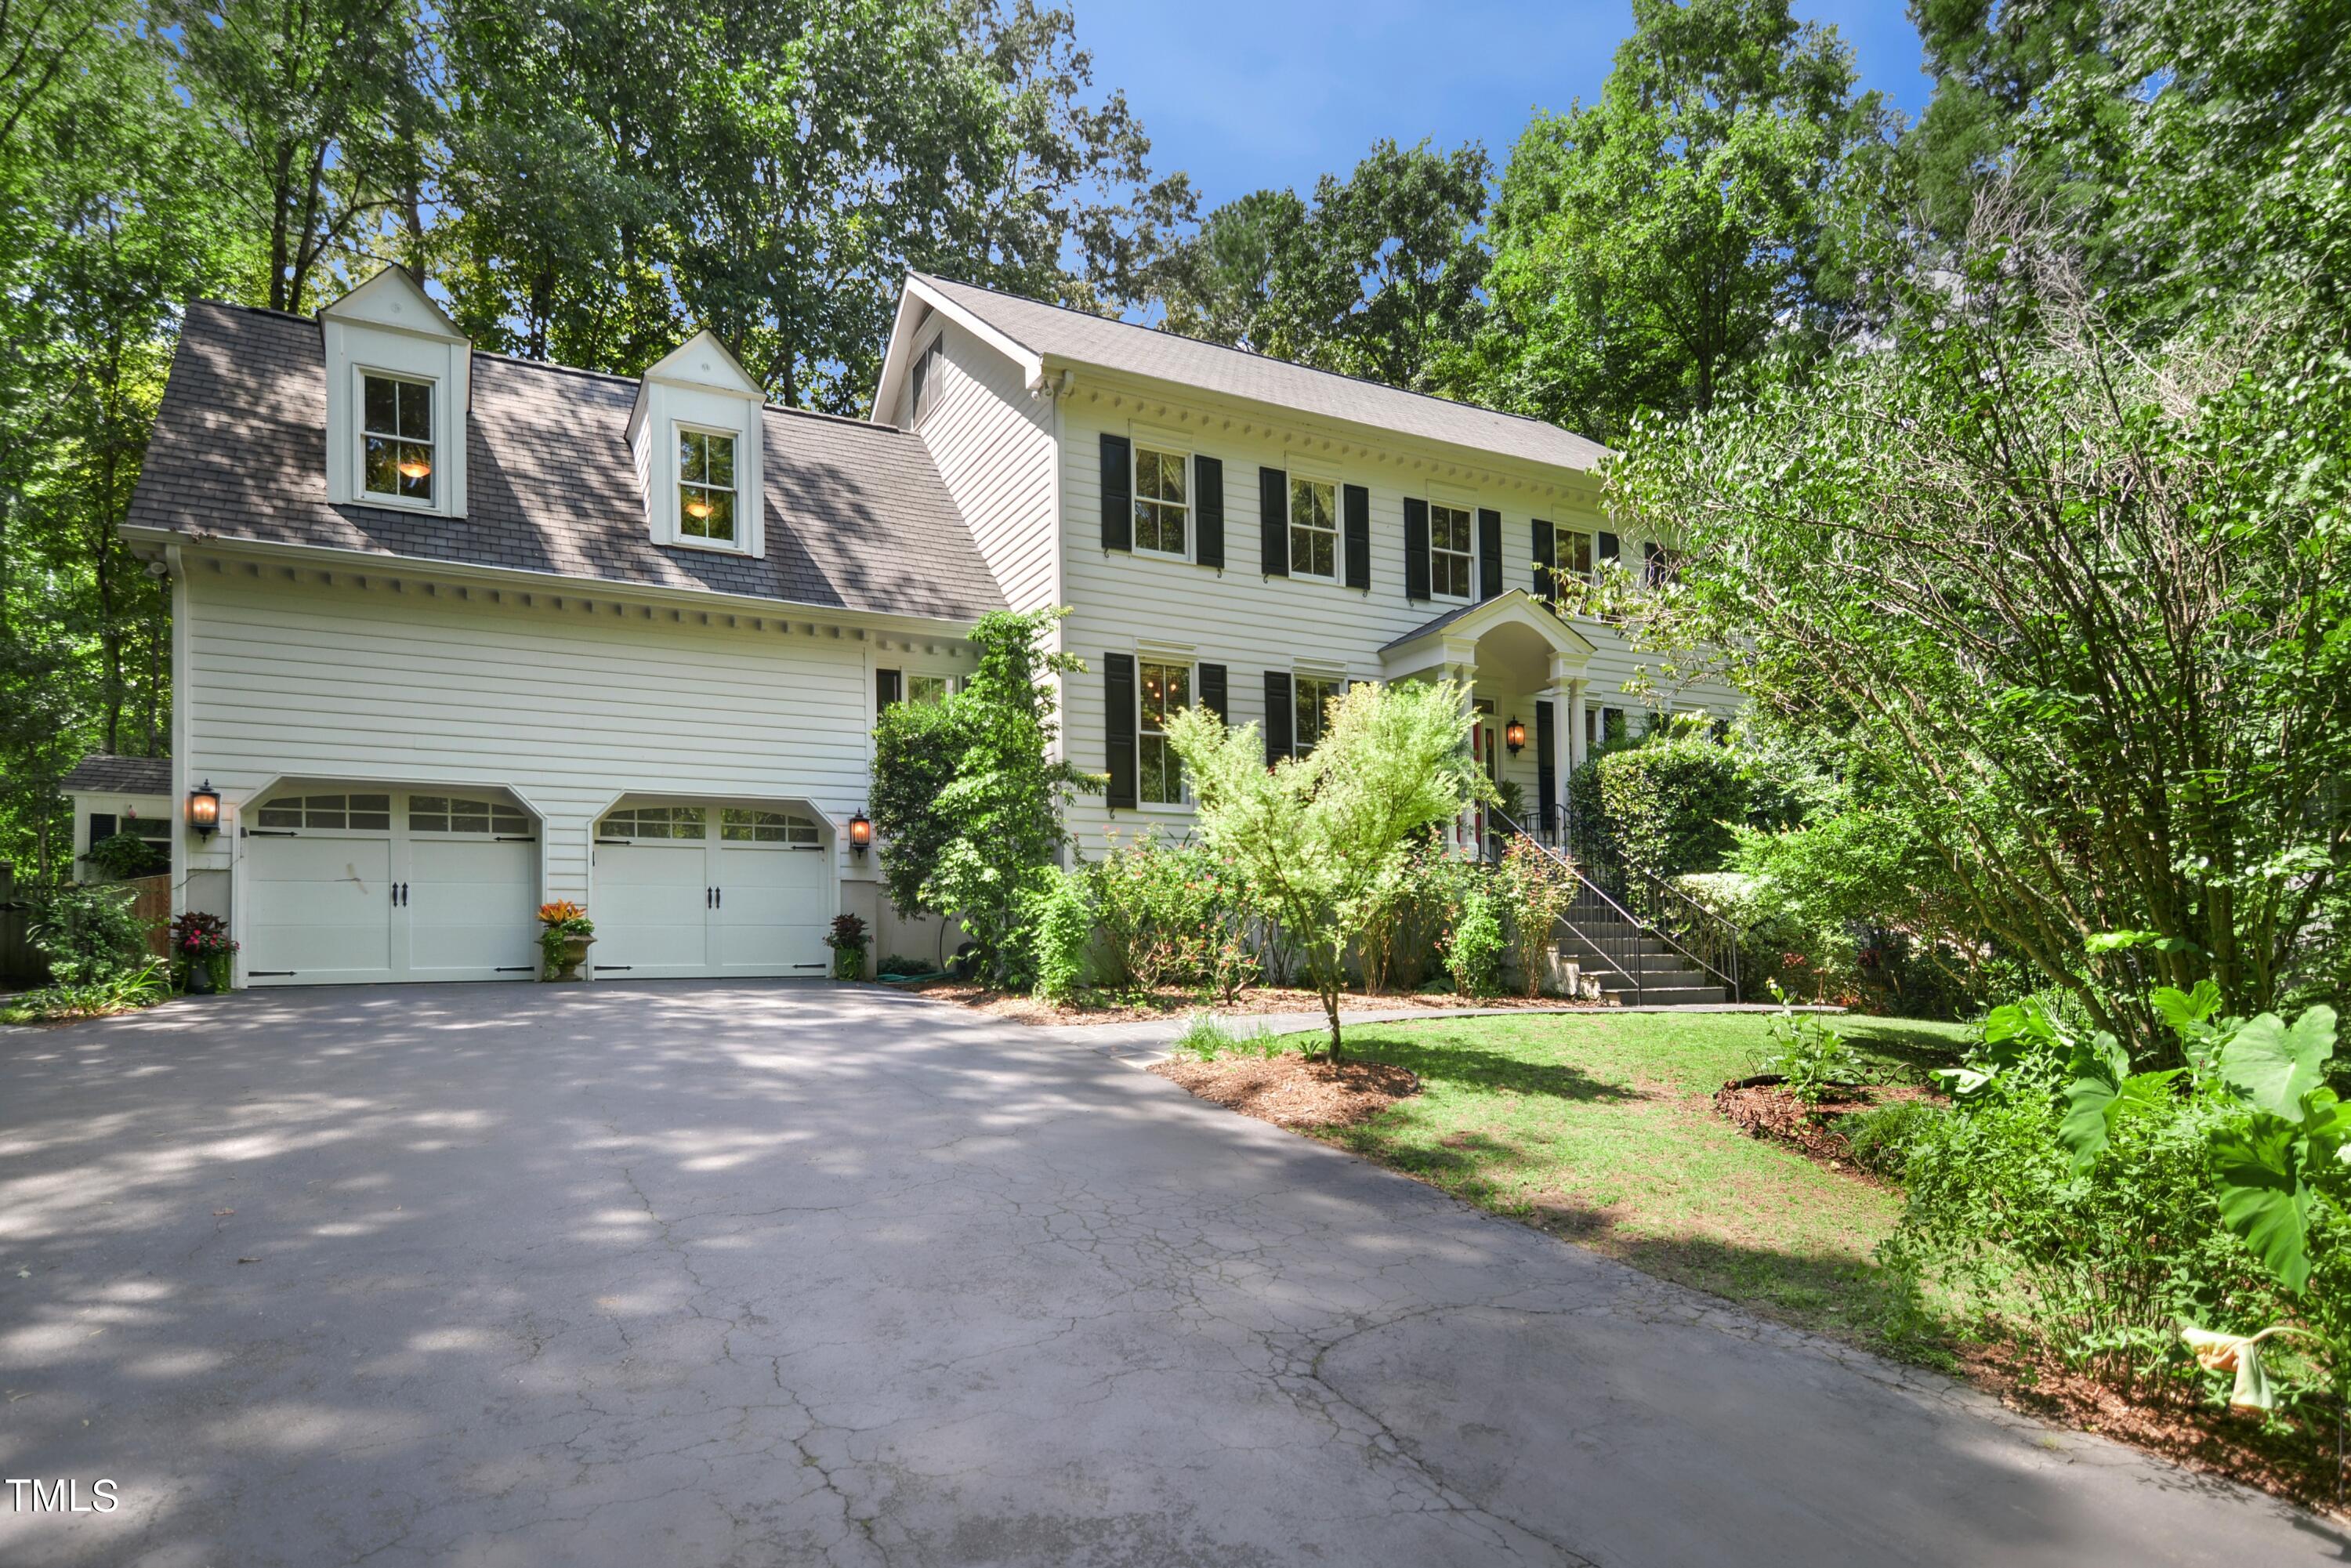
389	885
684	889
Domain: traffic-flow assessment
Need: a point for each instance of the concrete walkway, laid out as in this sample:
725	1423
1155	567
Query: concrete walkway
774	1274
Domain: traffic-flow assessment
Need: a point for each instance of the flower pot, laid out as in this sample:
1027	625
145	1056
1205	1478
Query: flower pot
199	975
575	953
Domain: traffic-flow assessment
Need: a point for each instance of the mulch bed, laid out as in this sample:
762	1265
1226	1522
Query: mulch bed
1763	1106
2164	1416
1106	1008
1291	1092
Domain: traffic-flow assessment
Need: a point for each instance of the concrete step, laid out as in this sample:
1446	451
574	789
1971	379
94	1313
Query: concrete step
1665	995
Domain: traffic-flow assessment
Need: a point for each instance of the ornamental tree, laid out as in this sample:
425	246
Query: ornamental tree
1317	838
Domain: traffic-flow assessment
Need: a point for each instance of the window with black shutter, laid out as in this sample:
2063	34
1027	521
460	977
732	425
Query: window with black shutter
1489	553
889	686
1212	693
1546	561
1546	768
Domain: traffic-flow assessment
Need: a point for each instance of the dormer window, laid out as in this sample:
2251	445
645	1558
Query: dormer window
705	486
396	458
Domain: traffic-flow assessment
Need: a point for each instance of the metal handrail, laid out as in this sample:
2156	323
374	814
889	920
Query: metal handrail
1696	918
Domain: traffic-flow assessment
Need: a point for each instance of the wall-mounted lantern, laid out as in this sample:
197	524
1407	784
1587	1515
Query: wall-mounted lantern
204	809
1514	735
860	833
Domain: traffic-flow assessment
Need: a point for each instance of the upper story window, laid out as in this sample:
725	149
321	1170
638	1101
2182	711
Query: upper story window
1450	554
1571	552
1314	528
1311	696
396	454
1162	503
929	365
1164	689
705	486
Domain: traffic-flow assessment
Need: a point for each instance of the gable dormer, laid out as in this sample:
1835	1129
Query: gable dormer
695	435
399	383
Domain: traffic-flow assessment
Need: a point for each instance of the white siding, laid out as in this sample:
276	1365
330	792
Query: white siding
569	708
993	443
1249	622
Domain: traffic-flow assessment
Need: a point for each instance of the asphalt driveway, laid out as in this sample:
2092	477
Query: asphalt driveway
767	1274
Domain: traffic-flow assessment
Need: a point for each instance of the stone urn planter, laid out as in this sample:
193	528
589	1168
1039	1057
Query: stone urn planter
575	953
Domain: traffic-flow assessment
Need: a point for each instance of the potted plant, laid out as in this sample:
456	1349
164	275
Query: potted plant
847	944
202	943
565	935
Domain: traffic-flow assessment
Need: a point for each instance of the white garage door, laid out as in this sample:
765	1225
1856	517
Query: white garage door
389	885
684	889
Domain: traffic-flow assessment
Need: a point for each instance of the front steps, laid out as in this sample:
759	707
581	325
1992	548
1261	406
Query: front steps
1602	946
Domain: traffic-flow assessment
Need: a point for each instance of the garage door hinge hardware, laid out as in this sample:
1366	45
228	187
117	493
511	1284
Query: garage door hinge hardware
268	833
514	969
807	966
520	838
612	841
267	974
601	968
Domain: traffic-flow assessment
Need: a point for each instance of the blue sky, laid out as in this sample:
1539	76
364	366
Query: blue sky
1276	92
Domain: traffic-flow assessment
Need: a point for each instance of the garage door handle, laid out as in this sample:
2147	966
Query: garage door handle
721	901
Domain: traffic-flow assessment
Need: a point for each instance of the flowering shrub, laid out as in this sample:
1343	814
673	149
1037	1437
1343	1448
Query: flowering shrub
847	939
1537	888
1174	917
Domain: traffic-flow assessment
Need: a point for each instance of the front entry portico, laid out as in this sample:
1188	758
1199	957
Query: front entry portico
1522	665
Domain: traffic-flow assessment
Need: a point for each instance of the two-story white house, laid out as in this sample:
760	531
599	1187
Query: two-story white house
455	634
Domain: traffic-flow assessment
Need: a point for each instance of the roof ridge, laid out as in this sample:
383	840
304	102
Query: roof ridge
1254	354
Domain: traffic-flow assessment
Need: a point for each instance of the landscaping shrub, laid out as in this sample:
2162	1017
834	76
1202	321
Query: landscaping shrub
1173	916
1062	929
127	855
1665	805
1474	950
89	934
1809	1055
898	965
2092	1211
1881	1136
848	939
1536	890
1410	908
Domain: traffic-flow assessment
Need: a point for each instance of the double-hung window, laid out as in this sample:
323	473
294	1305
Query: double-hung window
928	367
396	451
1162	501
928	691
1572	555
1314	528
1311	696
705	486
1165	690
1451	552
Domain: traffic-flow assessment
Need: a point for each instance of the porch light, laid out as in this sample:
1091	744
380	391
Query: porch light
860	833
204	809
415	467
1514	735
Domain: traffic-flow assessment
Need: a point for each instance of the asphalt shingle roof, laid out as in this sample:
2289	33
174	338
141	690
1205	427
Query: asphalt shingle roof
858	518
1053	331
104	773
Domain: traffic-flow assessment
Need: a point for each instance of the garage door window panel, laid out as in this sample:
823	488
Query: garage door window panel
742	825
655	822
357	814
461	814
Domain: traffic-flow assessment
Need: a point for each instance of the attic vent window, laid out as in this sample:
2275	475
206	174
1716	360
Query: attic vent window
705	486
397	437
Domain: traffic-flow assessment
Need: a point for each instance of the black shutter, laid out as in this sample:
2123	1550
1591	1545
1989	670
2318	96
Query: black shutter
1608	550
1546	562
1357	510
1416	549
1212	693
1118	725
1546	770
1277	715
1208	510
1273	521
889	686
1489	553
1117	493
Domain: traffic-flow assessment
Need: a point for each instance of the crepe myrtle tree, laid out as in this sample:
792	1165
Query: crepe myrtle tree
2077	604
1316	837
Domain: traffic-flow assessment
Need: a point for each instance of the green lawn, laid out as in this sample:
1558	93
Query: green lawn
1600	1128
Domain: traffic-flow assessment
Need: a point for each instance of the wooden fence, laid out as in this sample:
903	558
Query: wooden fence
21	965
